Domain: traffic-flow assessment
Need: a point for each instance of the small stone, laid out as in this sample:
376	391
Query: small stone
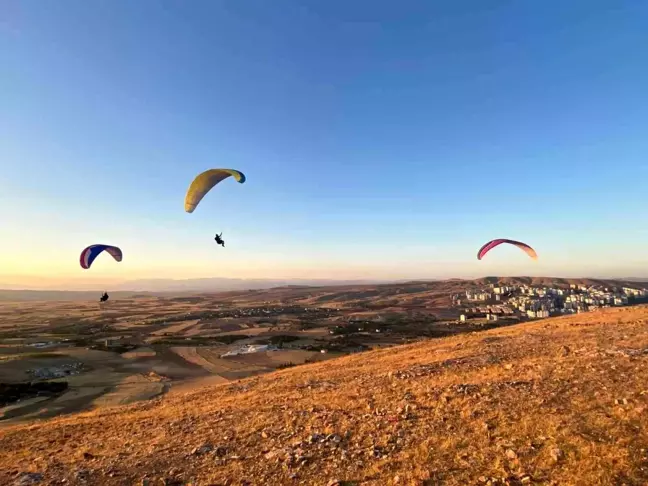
28	478
87	455
510	453
556	454
525	479
565	350
271	455
334	482
508	366
264	434
221	451
204	449
82	474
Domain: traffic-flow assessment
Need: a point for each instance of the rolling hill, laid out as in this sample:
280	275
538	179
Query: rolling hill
557	401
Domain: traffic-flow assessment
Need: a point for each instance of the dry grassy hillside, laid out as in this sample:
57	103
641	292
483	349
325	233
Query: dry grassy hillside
561	401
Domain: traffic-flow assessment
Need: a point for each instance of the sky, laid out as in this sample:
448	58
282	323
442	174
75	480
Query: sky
379	139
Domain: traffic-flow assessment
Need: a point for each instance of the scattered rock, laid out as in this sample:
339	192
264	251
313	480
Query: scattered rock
466	389
221	451
511	454
271	455
83	475
173	482
377	452
564	351
334	482
556	454
204	449
315	438
621	401
28	478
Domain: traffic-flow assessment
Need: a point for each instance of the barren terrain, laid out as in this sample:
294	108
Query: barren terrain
556	401
108	353
135	347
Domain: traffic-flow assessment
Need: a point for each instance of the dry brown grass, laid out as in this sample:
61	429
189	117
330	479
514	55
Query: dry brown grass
560	401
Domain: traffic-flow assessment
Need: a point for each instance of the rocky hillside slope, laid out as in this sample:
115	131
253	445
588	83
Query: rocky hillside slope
561	401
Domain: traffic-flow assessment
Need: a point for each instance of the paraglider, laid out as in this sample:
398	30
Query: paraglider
493	243
89	254
104	297
205	181
219	240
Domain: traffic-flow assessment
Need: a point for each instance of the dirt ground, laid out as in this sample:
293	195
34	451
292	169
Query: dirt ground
554	402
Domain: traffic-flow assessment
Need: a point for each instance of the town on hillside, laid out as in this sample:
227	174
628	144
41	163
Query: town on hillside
537	302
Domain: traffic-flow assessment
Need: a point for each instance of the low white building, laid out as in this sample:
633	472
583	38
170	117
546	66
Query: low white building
250	348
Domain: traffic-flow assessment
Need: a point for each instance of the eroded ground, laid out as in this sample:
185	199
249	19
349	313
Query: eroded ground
559	401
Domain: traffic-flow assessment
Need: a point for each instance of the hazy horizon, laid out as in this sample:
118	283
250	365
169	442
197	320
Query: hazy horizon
380	140
220	283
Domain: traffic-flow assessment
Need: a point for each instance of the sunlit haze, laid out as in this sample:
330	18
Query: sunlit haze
380	140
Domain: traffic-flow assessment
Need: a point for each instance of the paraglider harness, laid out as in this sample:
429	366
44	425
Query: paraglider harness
219	240
104	297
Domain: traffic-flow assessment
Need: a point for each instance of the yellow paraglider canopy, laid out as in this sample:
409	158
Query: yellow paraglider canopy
203	183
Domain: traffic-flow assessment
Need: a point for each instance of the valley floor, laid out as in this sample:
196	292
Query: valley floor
559	401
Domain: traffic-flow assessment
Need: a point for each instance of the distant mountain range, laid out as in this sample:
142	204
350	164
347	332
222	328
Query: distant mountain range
165	286
224	284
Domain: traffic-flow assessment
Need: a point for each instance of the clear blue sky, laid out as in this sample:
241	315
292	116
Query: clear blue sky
379	138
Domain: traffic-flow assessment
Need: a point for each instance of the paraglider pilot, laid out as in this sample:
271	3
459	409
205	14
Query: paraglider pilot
219	240
104	297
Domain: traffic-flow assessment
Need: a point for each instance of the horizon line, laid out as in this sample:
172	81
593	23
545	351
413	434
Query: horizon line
280	283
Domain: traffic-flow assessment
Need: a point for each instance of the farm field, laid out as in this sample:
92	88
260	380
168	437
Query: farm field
137	348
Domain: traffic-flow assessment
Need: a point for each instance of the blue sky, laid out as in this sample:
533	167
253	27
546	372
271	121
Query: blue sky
380	139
